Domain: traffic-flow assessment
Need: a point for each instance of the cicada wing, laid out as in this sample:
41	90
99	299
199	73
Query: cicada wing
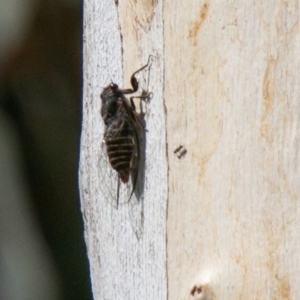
112	189
124	191
136	207
137	178
136	125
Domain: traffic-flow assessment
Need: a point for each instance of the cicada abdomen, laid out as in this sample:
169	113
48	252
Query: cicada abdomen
120	150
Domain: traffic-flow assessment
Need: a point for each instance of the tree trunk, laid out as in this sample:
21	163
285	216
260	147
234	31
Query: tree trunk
219	214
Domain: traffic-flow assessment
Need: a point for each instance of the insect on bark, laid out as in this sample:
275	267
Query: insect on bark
121	138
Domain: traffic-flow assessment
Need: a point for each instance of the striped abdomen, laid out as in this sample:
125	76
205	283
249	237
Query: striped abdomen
120	148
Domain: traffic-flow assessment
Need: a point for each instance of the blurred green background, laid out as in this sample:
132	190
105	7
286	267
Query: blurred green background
42	251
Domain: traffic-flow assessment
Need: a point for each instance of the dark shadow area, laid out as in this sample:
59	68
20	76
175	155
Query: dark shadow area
40	96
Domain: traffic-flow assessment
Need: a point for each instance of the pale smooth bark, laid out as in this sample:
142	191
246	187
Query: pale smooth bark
222	220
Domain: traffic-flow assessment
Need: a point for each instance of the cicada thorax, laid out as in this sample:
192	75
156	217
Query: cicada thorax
120	146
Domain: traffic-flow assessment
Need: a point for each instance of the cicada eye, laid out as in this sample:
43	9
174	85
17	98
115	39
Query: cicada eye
114	86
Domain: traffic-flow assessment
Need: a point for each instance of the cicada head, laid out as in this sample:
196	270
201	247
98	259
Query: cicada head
110	96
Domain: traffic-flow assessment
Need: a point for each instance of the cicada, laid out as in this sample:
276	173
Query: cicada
121	141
